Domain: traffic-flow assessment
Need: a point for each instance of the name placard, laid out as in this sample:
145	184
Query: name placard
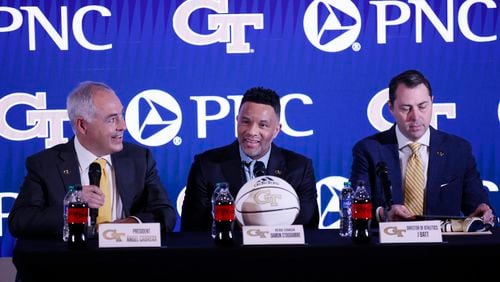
115	235
411	231
273	235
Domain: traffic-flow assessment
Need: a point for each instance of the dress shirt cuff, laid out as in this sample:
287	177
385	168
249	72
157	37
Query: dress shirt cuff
136	218
380	214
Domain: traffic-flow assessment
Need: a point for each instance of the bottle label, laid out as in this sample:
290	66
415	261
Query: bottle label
224	212
78	215
362	211
346	204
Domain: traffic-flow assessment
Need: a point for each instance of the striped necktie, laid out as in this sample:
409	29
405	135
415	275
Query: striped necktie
414	182
105	210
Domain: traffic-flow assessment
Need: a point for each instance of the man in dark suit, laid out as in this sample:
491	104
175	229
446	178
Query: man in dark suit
136	193
258	123
451	185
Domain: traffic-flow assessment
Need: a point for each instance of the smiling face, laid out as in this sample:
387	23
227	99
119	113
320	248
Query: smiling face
257	126
103	134
412	110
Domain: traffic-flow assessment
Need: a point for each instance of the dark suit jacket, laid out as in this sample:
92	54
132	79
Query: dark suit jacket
224	164
38	209
454	187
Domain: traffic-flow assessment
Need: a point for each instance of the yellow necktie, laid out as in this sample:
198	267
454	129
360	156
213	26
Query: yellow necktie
414	182
105	210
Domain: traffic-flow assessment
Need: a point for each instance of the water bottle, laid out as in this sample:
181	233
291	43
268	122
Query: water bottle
345	210
224	217
218	187
69	197
361	214
78	217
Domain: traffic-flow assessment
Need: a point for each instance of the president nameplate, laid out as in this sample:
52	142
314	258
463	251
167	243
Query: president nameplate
115	235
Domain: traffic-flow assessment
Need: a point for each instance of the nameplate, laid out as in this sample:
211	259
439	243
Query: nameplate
410	232
273	235
115	235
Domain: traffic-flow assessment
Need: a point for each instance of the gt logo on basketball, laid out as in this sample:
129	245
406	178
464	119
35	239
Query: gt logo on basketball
265	197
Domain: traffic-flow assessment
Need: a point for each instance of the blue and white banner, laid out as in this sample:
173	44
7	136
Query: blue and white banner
180	68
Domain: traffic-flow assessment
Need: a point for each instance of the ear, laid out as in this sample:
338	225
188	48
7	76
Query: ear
277	130
391	106
81	126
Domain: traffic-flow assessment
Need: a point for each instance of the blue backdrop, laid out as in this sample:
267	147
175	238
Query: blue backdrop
180	68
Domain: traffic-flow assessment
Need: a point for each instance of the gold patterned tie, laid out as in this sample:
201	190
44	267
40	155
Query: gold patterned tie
105	210
414	182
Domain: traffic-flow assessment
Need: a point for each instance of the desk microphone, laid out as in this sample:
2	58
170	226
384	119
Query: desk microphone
94	179
383	172
259	169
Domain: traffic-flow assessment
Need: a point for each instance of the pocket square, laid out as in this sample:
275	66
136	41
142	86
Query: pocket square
449	181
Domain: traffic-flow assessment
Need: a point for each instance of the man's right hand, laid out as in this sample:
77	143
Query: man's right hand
399	213
93	196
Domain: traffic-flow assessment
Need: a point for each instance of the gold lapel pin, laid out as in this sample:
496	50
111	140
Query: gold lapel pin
277	172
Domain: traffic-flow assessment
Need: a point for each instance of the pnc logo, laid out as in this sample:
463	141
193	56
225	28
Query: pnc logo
328	190
228	28
334	25
153	117
324	29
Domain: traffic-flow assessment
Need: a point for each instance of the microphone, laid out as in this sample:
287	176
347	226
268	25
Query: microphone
259	169
94	179
383	172
95	174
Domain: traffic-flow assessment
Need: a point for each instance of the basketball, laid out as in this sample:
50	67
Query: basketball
266	200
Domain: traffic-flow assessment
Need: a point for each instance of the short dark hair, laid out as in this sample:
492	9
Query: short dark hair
410	78
261	95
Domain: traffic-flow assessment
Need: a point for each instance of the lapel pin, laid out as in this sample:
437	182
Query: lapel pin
440	153
66	171
277	172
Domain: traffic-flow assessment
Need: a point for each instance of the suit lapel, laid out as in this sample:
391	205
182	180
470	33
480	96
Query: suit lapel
392	153
123	168
232	170
276	165
437	161
68	166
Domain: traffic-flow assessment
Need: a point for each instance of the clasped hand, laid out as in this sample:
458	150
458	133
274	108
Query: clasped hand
93	196
400	213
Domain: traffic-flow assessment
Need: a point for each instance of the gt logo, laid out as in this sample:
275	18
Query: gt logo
265	197
257	233
228	28
43	121
111	234
393	230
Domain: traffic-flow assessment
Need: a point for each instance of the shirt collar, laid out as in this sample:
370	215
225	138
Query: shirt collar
247	159
403	141
85	157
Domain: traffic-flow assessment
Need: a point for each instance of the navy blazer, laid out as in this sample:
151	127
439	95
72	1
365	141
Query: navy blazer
453	188
223	164
38	209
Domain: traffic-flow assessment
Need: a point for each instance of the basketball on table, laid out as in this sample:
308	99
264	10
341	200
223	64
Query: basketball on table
267	200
